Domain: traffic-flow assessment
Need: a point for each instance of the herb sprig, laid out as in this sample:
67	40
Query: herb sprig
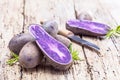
114	32
74	53
13	60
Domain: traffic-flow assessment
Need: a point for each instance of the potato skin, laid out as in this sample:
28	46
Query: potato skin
57	66
18	41
50	27
84	16
63	40
30	55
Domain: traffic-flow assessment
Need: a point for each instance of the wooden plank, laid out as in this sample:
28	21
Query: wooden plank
11	23
113	7
115	45
100	67
113	10
16	15
42	10
92	59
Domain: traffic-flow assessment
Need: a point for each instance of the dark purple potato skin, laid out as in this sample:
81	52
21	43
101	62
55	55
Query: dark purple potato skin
30	55
55	52
18	41
63	40
84	16
51	27
88	28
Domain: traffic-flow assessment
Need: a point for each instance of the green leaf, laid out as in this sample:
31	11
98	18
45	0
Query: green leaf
110	33
70	47
14	55
118	29
113	32
13	60
74	53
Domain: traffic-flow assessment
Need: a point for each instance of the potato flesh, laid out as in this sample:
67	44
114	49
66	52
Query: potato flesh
87	28
55	52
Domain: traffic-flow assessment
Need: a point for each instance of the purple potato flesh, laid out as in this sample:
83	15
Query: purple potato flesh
57	53
87	27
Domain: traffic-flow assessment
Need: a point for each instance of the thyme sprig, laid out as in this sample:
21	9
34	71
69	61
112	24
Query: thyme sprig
13	60
114	32
74	53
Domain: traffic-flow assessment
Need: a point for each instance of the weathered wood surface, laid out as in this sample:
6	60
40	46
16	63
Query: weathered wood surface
16	15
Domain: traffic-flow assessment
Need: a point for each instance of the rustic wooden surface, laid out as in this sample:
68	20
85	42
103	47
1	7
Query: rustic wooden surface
16	15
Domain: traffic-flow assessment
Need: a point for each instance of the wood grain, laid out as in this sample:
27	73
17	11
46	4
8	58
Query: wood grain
17	15
97	65
11	23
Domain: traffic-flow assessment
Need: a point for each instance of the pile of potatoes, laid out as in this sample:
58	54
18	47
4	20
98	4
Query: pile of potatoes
24	45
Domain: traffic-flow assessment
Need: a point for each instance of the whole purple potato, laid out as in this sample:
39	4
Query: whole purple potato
51	27
18	41
84	16
30	55
63	39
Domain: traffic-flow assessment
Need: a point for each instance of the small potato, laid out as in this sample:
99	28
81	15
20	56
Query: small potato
63	40
84	16
30	55
18	41
51	27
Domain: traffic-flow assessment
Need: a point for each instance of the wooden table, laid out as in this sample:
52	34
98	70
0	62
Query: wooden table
17	15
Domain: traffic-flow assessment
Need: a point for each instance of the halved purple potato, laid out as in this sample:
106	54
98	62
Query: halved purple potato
87	27
55	52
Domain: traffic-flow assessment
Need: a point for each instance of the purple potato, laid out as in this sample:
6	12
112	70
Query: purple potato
18	41
84	16
55	52
30	55
87	27
51	27
63	39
